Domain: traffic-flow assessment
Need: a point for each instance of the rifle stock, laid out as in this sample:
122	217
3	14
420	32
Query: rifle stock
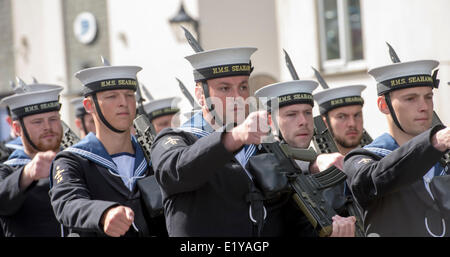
69	137
307	188
144	134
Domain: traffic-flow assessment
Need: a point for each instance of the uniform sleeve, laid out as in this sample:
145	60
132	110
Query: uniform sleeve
70	198
11	197
370	176
182	163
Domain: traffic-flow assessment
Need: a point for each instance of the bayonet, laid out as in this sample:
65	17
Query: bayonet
393	54
319	77
290	66
192	41
147	93
188	95
105	61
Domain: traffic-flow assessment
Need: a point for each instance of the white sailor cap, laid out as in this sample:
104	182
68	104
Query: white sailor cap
288	93
405	75
221	63
161	107
79	107
33	99
332	98
104	78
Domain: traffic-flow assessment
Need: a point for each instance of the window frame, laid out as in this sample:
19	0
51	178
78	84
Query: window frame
344	63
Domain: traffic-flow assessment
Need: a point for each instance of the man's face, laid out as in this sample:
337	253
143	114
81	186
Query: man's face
413	108
347	125
296	124
163	122
118	107
228	96
89	123
44	129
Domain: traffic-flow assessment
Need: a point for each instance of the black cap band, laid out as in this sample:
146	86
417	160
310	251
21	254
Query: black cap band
290	99
421	80
35	109
161	112
340	102
239	69
80	112
110	84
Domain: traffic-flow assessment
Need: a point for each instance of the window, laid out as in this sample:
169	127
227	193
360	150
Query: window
341	43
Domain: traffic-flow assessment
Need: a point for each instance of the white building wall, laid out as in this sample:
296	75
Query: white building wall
39	43
151	44
236	23
416	28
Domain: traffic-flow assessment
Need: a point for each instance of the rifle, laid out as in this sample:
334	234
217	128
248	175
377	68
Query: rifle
147	93
188	95
192	41
148	186
324	143
69	137
307	189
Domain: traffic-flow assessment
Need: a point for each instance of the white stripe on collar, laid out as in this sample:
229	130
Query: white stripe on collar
17	162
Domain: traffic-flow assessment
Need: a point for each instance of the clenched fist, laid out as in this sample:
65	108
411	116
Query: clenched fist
117	220
251	131
441	140
38	168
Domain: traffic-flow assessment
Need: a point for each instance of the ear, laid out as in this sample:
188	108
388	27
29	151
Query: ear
324	120
78	123
88	104
9	120
382	105
17	129
199	94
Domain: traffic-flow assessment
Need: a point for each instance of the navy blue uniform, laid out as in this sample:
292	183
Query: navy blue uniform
86	183
25	212
387	180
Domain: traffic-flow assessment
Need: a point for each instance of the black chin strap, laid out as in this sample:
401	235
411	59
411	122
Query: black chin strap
327	118
387	97
27	136
83	125
100	114
212	110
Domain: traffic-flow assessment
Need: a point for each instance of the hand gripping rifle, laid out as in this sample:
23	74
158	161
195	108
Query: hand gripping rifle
324	142
279	168
435	119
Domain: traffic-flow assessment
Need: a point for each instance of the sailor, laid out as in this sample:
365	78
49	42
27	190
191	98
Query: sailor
393	178
94	190
24	203
201	166
290	105
83	120
341	110
162	113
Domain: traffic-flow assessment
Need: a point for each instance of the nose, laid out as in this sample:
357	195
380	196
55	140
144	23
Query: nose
122	100
423	104
301	121
46	124
351	121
